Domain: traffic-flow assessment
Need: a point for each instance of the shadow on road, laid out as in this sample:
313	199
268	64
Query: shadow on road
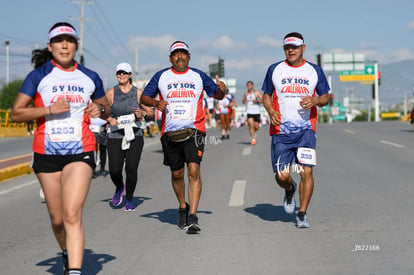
244	142
92	263
168	215
269	212
137	201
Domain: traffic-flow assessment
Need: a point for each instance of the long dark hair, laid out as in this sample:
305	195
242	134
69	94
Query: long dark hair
42	56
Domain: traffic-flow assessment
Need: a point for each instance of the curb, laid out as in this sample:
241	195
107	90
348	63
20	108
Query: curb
15	171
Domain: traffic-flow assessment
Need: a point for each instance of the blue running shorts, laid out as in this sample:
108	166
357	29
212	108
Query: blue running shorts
284	148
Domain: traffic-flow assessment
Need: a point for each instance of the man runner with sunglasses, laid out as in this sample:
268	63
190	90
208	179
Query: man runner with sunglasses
290	89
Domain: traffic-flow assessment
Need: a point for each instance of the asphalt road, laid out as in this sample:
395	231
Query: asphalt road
12	147
360	213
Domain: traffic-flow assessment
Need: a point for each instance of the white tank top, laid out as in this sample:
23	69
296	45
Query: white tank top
251	107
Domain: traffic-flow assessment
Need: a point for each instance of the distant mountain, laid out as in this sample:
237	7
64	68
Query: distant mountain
397	80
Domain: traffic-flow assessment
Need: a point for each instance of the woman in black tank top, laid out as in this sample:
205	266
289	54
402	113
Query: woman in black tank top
125	135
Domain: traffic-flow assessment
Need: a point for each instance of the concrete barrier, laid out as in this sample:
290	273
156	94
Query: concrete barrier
13	132
15	171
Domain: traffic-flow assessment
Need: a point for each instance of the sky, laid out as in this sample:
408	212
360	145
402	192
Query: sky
246	34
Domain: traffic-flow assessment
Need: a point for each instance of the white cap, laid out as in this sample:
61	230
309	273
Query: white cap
61	30
295	41
124	67
178	45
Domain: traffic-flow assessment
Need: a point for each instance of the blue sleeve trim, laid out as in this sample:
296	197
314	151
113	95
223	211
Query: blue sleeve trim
99	90
268	86
208	84
31	82
323	86
151	89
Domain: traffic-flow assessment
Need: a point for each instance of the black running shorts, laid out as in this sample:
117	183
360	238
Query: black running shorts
256	117
56	163
178	153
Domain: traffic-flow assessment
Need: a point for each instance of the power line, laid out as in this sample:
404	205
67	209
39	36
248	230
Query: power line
11	37
82	23
117	40
97	58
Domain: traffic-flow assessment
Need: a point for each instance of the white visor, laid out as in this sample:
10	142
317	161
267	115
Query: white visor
61	30
178	46
293	41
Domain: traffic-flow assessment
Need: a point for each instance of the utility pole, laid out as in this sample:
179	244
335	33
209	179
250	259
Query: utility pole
405	104
376	92
82	26
330	119
7	43
136	62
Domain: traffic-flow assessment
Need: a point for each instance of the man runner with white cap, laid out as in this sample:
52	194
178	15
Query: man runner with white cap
290	89
183	125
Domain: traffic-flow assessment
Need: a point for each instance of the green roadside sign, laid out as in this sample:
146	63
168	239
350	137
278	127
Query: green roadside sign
369	70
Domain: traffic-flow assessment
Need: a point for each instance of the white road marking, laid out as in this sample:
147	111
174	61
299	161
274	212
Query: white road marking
246	151
349	131
392	143
18	187
237	194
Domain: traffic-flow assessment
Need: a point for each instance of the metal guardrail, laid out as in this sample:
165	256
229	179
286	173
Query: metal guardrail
6	122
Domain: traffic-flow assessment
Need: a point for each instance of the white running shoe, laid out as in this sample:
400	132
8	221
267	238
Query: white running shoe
302	220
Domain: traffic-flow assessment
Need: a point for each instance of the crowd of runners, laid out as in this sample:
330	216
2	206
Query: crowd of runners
74	114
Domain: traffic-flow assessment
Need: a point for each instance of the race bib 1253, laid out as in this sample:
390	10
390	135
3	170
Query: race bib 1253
64	130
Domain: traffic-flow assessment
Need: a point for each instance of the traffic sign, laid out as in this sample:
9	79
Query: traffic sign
369	70
368	74
358	77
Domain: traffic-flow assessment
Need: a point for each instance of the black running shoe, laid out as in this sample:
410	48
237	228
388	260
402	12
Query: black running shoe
65	263
183	216
193	225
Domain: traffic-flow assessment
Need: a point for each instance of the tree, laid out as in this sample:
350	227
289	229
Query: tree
8	94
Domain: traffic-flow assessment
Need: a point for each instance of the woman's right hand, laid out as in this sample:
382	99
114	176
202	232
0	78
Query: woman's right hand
61	106
112	121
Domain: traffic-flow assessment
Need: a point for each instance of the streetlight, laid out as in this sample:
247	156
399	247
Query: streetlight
7	43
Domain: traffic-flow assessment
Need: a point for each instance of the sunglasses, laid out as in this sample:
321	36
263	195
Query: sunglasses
290	47
122	73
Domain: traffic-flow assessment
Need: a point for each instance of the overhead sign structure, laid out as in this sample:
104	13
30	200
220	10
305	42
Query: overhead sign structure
343	61
368	74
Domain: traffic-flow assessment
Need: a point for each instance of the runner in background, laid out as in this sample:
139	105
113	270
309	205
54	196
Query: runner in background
158	117
209	109
150	122
224	108
232	110
98	127
252	99
125	135
63	145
